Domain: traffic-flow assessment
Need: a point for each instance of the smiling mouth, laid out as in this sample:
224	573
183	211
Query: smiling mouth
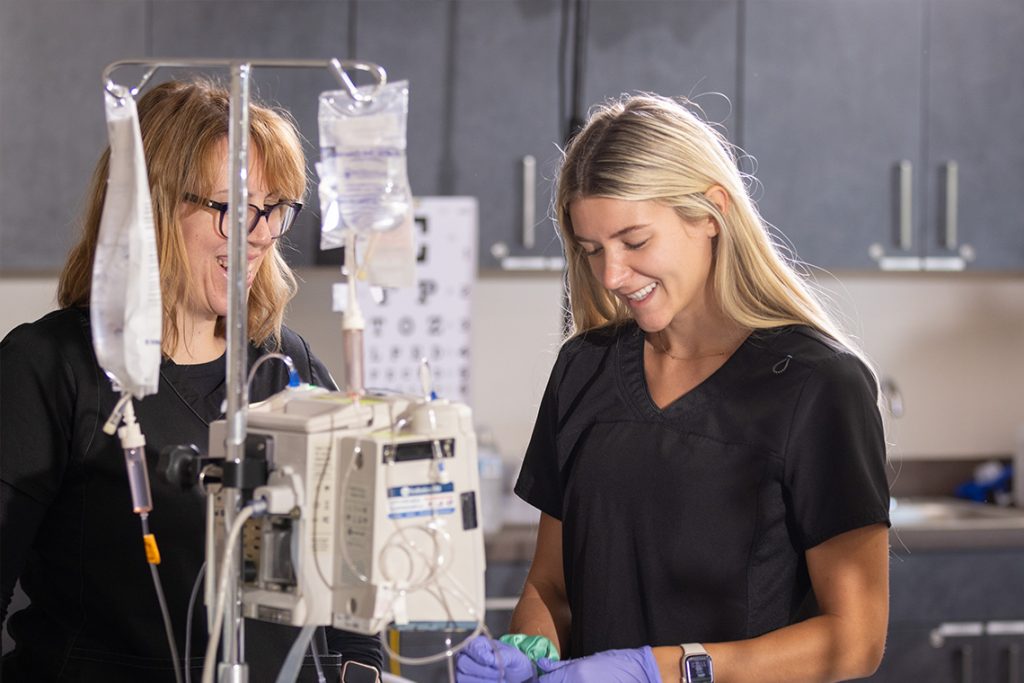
222	261
643	293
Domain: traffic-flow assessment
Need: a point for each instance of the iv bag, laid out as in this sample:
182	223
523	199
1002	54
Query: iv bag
364	185
126	311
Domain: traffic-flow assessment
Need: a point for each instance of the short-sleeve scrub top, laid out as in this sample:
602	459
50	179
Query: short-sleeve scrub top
689	523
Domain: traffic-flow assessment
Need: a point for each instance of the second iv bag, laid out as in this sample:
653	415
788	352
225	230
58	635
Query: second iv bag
125	305
364	185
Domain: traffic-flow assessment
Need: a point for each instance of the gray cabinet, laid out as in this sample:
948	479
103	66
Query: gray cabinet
831	105
1004	655
673	48
51	117
505	92
968	653
885	130
956	616
912	655
975	101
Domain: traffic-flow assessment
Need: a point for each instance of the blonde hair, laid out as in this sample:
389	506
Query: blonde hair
652	148
183	124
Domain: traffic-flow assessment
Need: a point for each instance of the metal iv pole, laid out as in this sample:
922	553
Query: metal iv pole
232	668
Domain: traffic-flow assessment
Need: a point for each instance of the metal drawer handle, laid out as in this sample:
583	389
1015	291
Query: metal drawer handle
966	664
529	200
1013	663
906	205
952	181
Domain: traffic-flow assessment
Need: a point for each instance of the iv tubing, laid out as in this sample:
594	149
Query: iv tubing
222	585
188	622
352	323
168	628
134	443
290	669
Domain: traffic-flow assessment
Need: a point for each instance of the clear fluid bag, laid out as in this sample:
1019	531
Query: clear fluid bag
126	312
364	185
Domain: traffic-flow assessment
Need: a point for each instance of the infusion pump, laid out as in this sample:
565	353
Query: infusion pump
372	513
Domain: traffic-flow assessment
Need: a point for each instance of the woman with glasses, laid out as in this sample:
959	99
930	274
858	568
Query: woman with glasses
66	517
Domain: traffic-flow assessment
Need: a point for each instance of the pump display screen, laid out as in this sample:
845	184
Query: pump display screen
419	450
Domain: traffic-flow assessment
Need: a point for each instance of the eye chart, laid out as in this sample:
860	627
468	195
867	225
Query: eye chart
431	319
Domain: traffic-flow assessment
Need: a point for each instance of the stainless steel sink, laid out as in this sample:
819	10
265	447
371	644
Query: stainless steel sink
952	513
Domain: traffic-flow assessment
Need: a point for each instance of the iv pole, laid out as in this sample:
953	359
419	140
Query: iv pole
232	668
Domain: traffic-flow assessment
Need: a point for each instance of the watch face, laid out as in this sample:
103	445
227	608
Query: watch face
698	669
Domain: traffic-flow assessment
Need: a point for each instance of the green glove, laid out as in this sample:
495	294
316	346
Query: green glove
534	647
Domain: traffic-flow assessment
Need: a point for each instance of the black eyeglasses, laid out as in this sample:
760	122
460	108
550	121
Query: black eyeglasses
280	216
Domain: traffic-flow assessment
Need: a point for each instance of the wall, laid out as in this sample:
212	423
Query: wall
954	344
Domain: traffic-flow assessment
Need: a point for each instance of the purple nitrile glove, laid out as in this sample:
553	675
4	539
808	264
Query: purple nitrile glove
610	666
476	663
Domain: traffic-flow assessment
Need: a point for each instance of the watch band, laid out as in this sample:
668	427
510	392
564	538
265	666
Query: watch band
693	649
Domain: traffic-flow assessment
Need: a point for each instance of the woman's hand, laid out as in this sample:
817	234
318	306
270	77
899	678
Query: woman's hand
477	663
610	666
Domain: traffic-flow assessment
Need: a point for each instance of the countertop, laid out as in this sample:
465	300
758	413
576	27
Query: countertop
918	524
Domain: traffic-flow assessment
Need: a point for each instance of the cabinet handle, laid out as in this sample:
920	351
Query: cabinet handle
1013	663
952	180
529	200
966	664
906	205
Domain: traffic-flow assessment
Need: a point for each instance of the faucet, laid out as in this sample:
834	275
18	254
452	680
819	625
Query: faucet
892	396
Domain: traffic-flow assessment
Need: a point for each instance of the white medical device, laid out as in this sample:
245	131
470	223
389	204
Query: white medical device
372	513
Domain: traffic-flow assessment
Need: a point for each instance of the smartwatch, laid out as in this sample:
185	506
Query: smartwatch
695	666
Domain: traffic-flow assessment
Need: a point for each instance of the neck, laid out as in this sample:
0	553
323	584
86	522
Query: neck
716	336
198	342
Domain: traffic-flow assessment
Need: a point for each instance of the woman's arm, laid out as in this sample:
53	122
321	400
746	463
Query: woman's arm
543	608
850	577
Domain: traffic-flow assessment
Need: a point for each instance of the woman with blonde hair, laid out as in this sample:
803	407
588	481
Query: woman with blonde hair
66	518
708	458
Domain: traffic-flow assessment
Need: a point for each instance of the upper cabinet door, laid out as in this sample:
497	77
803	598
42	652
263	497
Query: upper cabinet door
670	47
975	135
52	129
832	113
504	86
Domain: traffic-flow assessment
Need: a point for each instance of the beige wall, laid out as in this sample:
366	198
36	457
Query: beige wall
954	343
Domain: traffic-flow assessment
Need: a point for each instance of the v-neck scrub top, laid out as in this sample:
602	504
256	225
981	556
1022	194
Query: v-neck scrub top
690	523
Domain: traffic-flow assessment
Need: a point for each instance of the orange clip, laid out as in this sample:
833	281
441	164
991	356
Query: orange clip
152	552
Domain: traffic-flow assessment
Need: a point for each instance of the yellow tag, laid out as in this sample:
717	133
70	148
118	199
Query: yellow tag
394	638
152	552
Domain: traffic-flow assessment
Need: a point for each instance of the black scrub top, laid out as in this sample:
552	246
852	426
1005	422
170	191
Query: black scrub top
690	523
68	530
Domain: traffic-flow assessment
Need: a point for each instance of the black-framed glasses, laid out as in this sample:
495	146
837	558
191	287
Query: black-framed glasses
280	216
